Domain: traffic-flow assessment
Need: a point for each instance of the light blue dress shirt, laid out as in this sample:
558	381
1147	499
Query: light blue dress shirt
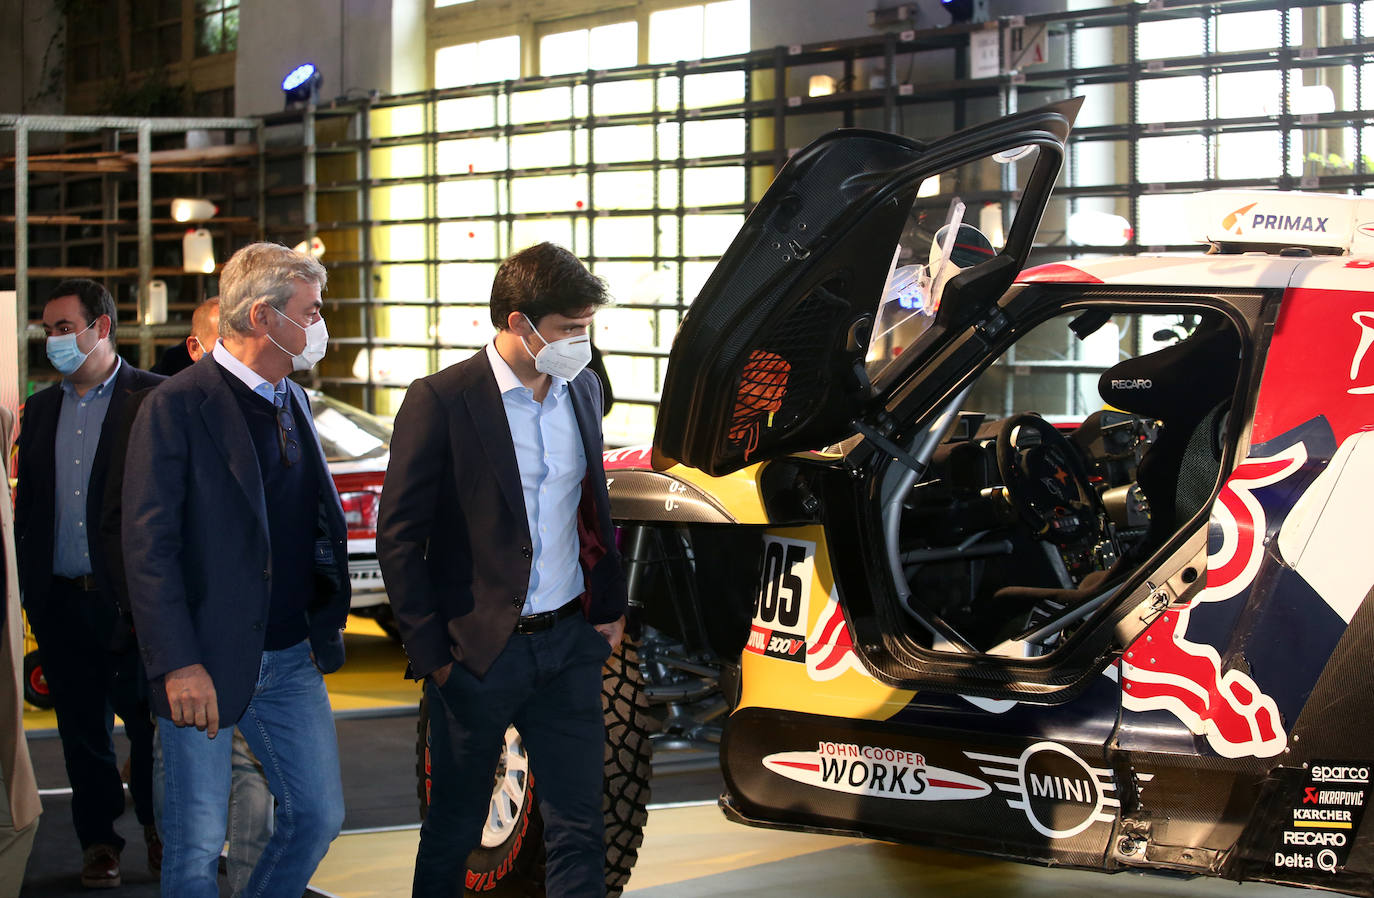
79	421
552	463
273	393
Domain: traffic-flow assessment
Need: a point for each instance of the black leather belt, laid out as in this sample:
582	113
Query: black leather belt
537	623
84	583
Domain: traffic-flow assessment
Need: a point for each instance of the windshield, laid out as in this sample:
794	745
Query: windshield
347	432
953	225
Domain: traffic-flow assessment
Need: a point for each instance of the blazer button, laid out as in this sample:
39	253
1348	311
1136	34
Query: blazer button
517	602
257	625
266	574
525	550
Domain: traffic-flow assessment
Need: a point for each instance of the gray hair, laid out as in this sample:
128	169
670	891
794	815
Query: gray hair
262	271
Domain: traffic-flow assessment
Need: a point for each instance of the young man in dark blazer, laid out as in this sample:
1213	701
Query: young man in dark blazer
238	577
496	545
64	456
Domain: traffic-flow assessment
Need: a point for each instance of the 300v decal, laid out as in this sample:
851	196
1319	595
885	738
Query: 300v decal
873	770
781	604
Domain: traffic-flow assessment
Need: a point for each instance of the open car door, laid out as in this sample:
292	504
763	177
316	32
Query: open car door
846	275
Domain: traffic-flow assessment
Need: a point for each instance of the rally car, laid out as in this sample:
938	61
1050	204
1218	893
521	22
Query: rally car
1065	565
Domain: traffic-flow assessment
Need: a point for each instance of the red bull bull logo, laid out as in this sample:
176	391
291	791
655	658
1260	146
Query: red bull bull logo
1163	670
830	650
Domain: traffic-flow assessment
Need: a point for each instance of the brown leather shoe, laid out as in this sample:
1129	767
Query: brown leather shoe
154	843
100	867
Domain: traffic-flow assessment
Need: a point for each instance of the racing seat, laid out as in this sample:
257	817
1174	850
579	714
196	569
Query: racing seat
1187	386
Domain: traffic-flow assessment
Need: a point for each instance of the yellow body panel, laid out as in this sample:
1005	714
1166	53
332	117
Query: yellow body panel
737	492
799	655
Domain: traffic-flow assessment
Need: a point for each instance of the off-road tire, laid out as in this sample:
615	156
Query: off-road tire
516	867
36	690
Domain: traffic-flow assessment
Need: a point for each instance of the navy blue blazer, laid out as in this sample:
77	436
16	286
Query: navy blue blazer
196	543
35	502
452	536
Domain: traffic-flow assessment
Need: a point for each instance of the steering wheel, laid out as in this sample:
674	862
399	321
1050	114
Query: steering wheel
1045	479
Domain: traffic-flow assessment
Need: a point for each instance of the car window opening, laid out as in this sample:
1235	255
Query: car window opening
1049	480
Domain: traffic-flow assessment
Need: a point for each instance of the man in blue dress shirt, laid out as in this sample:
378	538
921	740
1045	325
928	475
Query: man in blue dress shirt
64	453
497	548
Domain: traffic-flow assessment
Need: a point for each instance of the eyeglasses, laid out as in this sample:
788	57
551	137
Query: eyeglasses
286	437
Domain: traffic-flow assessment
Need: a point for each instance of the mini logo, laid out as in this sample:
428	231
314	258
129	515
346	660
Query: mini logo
875	770
1059	793
1367	229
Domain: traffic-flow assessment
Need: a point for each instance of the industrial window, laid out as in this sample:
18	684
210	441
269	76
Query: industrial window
217	26
696	32
155	27
497	59
604	47
94	42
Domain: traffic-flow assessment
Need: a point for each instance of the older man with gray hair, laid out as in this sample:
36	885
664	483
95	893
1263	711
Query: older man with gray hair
238	578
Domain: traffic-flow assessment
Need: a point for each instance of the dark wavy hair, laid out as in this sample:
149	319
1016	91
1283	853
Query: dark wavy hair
543	279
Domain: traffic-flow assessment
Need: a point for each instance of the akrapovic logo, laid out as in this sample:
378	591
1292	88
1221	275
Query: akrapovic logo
1138	383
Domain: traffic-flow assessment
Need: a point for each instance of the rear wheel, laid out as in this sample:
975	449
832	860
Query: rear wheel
36	690
510	860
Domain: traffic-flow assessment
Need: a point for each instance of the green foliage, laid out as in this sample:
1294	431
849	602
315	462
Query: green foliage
151	95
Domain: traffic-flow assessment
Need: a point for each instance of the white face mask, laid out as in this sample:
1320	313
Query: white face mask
561	358
316	342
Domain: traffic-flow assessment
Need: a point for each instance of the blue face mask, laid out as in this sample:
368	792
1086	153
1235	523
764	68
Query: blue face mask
64	354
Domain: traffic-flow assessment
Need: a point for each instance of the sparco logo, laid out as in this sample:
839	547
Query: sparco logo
1328	773
1139	383
1059	793
875	770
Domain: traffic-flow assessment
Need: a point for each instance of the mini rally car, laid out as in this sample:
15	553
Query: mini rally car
1081	579
1064	565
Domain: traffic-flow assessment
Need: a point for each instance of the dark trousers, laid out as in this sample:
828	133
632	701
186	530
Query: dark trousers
549	685
89	684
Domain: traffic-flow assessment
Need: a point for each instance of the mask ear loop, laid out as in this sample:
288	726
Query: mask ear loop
529	351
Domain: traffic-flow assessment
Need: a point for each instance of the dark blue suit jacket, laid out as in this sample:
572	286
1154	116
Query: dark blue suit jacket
196	543
452	536
35	502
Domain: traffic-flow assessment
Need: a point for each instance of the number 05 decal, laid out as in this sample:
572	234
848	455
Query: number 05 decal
783	599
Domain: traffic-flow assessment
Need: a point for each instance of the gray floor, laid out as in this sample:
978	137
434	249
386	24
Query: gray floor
688	851
377	757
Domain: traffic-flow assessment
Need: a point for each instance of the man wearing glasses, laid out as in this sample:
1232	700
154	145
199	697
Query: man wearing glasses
238	578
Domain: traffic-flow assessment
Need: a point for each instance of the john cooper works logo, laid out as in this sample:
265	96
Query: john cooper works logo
1056	789
875	770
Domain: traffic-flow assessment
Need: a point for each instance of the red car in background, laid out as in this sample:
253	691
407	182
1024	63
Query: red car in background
357	446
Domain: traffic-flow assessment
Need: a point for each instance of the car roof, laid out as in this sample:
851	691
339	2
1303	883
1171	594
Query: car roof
1244	270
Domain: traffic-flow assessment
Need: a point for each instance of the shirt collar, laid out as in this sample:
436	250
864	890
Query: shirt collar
251	379
99	391
506	379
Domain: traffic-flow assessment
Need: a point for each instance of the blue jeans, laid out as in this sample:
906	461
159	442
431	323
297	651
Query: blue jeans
289	726
250	809
549	685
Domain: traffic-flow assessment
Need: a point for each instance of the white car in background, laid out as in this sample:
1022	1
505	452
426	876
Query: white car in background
357	446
